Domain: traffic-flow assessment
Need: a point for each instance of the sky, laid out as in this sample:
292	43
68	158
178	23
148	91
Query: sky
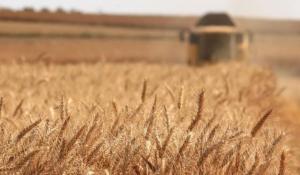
275	9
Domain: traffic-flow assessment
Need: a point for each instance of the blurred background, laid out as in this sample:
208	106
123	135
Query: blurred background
65	31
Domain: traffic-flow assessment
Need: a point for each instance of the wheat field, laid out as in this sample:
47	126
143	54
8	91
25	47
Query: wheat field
136	118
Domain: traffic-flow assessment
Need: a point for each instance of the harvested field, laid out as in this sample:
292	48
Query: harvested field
160	22
28	29
62	50
141	119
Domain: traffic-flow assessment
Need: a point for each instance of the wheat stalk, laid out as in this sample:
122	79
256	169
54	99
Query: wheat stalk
150	165
115	108
136	111
68	147
93	153
183	147
181	98
144	91
199	112
64	127
62	108
170	91
273	145
1	106
260	123
90	132
254	165
158	144
114	125
228	156
282	164
62	149
27	158
207	152
18	108
166	142
167	119
151	119
27	130
213	133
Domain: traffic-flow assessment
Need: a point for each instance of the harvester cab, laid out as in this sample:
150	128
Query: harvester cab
216	38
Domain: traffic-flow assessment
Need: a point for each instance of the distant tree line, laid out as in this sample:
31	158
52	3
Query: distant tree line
46	10
43	10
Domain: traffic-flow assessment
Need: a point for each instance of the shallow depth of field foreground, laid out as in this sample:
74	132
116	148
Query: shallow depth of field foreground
141	119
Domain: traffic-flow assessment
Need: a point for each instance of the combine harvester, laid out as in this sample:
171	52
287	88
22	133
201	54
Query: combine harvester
216	38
